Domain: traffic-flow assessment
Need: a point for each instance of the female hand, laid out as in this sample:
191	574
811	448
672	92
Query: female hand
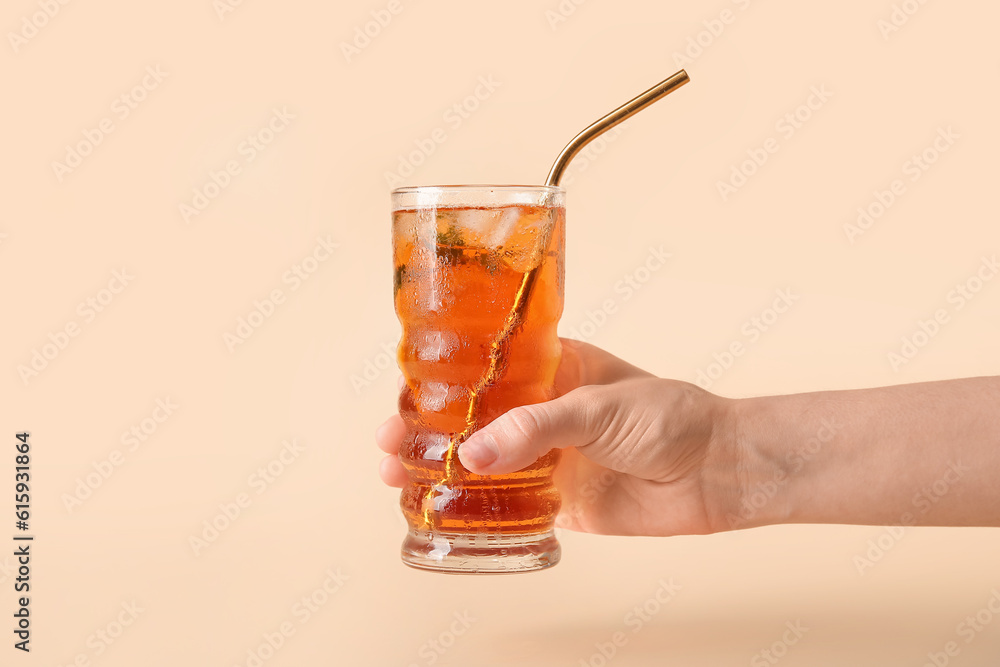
639	456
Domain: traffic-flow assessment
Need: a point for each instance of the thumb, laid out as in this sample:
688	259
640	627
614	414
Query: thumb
521	436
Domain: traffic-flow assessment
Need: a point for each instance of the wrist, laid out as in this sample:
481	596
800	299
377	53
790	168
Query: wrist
751	475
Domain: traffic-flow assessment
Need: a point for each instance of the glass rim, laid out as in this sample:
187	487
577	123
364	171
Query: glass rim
555	189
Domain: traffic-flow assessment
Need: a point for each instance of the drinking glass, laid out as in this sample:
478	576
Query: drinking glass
478	289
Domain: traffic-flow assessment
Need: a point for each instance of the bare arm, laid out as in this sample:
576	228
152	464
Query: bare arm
917	454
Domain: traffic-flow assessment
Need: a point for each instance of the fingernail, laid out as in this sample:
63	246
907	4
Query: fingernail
479	451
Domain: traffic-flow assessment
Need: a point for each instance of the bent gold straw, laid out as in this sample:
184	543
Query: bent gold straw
605	123
516	315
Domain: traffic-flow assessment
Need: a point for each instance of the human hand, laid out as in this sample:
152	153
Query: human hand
639	456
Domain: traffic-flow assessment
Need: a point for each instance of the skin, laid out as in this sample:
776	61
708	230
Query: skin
644	455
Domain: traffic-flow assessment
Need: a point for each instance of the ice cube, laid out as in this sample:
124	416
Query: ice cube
524	246
475	224
504	224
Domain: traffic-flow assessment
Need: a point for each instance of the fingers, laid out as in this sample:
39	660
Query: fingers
392	472
583	364
388	437
390	434
518	438
521	436
568	375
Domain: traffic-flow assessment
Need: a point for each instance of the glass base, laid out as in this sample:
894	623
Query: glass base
463	553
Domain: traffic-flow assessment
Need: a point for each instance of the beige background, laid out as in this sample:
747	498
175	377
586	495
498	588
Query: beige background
302	373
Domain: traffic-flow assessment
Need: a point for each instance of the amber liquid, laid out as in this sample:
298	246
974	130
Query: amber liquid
456	280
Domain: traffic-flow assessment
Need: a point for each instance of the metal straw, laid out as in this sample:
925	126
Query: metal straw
601	125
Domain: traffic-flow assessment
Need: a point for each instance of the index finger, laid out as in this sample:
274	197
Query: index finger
583	364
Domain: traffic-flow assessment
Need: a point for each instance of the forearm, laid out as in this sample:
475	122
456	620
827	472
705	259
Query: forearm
918	454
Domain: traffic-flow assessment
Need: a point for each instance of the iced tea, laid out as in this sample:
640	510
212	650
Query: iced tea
478	290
